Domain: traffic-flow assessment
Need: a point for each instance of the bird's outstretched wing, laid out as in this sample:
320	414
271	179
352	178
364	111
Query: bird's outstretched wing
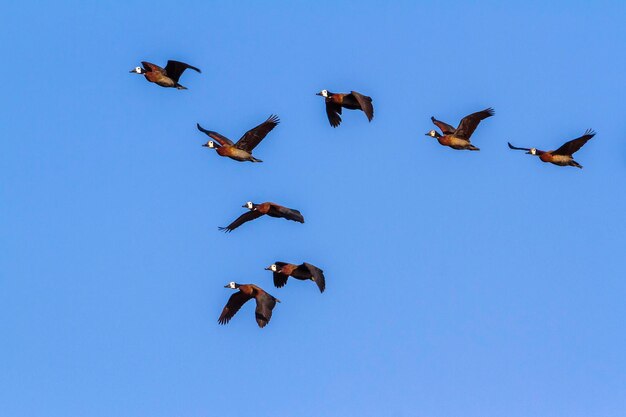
518	149
254	136
280	280
469	123
445	128
287	213
246	217
264	305
175	69
222	140
574	145
317	274
333	111
232	306
366	104
150	67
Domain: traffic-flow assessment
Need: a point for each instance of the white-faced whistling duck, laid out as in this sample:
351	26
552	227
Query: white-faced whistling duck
258	210
563	155
165	77
459	138
305	271
242	150
352	101
264	303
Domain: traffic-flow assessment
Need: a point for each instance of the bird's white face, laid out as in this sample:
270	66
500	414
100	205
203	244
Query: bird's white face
273	268
138	70
249	205
432	133
533	151
232	285
210	144
324	93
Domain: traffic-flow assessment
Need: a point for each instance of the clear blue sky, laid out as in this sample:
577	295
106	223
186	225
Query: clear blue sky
458	283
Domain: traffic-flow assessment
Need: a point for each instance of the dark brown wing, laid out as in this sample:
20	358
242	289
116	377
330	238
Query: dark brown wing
254	136
366	104
317	274
518	149
469	123
148	66
333	111
246	217
280	280
445	128
222	140
574	145
287	213
175	69
264	305
232	306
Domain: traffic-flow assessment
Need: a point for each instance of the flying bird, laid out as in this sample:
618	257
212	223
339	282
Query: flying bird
282	271
258	210
165	77
563	155
242	150
353	101
264	303
459	138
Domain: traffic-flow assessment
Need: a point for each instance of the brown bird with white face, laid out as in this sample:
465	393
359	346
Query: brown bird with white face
459	138
562	156
304	272
258	210
242	150
165	77
264	303
352	101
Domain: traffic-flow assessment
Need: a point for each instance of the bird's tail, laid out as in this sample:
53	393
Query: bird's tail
575	164
180	87
473	148
253	159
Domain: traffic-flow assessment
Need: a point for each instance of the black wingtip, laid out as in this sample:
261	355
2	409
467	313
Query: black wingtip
224	229
273	119
491	111
590	132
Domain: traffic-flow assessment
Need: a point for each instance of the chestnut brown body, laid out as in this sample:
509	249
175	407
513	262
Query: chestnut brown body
264	303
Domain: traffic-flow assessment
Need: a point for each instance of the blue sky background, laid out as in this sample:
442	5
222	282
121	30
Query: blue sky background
458	283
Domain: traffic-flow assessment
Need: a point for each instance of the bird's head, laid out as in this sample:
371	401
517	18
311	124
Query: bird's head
323	93
272	268
433	134
232	285
211	144
532	151
138	70
249	205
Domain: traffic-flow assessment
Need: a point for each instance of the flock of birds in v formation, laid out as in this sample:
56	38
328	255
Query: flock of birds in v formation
456	138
